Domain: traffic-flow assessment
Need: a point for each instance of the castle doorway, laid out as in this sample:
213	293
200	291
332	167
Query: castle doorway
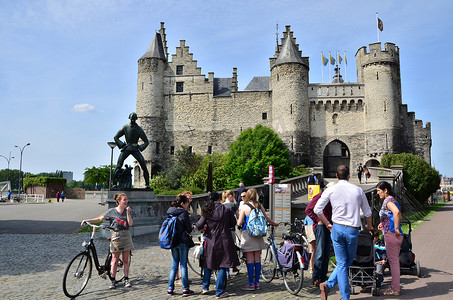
373	163
336	153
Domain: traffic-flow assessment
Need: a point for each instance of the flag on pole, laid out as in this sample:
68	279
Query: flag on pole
332	60
340	59
324	60
380	25
345	59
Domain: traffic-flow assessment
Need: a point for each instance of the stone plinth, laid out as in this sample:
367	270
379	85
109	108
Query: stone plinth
148	210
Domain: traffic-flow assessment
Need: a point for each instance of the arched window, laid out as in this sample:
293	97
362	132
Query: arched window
334	119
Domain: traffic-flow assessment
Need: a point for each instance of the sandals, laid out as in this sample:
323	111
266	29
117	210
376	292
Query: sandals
390	292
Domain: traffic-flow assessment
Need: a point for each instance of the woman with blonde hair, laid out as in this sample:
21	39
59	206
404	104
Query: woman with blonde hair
252	245
121	243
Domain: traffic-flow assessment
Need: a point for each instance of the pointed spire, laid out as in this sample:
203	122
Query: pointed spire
155	49
289	53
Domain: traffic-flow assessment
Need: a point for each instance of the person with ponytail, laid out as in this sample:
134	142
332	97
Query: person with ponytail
390	215
219	250
180	248
252	245
121	242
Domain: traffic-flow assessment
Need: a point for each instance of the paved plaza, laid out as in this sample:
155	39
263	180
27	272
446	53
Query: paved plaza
33	264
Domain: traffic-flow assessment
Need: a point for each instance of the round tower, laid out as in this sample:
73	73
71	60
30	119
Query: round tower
150	104
379	70
290	102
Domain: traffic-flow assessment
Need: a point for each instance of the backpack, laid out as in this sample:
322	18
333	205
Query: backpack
359	169
257	224
167	232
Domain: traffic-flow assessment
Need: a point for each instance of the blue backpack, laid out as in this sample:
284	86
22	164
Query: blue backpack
167	232
257	224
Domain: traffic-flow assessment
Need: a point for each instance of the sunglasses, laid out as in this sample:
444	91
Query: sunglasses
242	196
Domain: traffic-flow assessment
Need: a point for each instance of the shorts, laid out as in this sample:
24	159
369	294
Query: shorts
309	232
121	241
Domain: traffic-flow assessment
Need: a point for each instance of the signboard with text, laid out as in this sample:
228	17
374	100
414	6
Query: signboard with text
282	196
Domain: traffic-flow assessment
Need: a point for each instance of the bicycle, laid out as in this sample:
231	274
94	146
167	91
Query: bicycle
78	271
293	271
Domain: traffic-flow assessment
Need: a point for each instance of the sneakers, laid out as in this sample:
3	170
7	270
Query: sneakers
112	284
248	288
204	292
224	295
170	293
127	283
257	286
187	293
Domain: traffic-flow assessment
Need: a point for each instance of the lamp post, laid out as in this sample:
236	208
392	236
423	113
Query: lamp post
8	160
111	145
20	169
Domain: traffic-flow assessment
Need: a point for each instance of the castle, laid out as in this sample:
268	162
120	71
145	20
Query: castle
322	124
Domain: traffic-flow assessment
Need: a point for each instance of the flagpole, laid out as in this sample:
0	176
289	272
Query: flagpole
345	67
322	69
330	74
377	26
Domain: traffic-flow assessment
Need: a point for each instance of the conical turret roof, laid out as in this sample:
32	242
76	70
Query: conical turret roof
289	53
155	49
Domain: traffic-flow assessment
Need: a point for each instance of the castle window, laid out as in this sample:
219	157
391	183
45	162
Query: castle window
320	92
264	116
179	87
385	106
291	109
377	75
190	149
334	119
278	77
157	147
374	52
172	150
142	86
210	149
327	91
179	70
335	91
344	91
352	91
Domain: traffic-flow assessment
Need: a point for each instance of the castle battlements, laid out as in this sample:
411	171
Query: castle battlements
337	105
376	55
335	90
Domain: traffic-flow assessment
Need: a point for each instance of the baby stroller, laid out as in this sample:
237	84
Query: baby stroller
362	270
408	264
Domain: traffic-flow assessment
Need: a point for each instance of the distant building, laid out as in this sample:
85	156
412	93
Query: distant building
322	124
69	175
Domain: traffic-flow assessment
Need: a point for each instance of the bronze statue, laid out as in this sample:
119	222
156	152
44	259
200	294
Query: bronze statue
132	132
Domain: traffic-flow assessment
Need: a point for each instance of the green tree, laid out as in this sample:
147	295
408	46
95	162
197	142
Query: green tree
219	177
33	180
98	177
75	184
251	155
420	179
13	177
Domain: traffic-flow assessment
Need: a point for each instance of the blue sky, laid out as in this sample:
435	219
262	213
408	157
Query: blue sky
68	69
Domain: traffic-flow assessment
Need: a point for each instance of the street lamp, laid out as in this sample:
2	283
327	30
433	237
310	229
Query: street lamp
111	145
8	160
20	169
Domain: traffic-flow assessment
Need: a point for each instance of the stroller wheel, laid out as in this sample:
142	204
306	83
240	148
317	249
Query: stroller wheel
374	292
417	267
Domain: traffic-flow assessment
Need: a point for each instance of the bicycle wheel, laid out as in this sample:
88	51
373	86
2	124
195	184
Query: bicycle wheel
192	262
119	269
268	263
294	277
77	274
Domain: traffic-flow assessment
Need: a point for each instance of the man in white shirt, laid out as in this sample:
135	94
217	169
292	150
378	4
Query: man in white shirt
346	200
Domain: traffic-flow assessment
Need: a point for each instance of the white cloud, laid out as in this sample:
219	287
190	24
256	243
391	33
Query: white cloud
83	108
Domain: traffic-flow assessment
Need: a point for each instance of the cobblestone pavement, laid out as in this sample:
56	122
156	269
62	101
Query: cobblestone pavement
33	265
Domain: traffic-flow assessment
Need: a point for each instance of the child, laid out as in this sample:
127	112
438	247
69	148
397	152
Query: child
380	258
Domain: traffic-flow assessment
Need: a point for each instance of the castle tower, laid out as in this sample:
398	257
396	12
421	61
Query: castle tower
290	102
379	70
150	104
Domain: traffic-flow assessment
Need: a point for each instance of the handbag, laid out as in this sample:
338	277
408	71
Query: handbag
190	242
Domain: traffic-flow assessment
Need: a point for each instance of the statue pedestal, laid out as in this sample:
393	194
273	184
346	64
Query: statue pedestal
148	210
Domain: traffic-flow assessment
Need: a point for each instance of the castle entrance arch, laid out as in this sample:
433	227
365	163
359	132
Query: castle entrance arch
373	163
336	153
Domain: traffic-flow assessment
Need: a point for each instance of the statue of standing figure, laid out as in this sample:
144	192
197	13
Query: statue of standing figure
132	132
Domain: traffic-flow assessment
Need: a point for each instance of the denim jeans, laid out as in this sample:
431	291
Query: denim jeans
322	252
220	283
344	240
179	256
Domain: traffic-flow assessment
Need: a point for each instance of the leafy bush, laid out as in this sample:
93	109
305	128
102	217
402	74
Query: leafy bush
420	179
250	156
33	180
